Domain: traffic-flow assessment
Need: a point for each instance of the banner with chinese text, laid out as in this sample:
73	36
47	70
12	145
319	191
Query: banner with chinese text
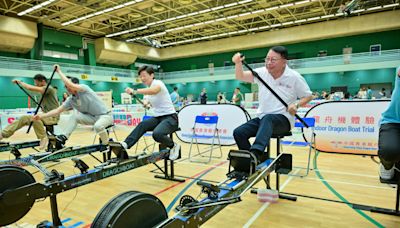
347	126
229	117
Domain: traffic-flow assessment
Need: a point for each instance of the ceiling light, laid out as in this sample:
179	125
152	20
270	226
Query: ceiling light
391	5
35	7
100	12
231	4
212	21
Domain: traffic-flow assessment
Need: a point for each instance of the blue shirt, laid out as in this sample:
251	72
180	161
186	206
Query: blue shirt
174	97
392	114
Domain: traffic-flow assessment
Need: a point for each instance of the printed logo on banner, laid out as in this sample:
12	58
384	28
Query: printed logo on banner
127	119
10	120
229	118
347	126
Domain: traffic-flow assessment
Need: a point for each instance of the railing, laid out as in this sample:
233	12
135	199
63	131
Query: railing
335	60
37	65
326	61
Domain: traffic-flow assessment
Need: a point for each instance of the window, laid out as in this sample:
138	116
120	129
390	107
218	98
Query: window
60	55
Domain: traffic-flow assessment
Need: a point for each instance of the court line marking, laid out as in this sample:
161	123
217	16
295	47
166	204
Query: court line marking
337	194
196	175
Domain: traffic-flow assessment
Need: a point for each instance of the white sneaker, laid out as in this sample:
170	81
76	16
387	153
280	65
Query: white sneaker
44	142
174	152
386	174
124	145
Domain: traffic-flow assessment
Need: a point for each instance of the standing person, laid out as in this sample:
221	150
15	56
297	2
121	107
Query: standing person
362	93
272	116
237	97
165	120
65	96
49	102
220	97
90	109
389	135
369	93
382	93
175	98
203	96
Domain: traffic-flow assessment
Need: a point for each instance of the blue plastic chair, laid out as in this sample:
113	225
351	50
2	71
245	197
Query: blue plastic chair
310	121
205	121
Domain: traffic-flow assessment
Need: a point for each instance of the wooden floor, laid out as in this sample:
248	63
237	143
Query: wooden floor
341	178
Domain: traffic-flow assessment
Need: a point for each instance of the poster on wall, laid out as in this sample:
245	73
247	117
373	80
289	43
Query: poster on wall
347	126
229	117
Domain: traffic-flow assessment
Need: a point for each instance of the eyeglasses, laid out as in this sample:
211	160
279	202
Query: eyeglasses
272	60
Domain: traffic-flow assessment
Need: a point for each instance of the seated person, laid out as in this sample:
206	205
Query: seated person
50	102
90	109
272	116
165	120
389	135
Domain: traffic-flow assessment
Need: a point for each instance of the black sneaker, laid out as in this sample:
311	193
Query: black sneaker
259	155
61	139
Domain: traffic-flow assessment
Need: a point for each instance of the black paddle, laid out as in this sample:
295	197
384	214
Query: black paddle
41	99
271	90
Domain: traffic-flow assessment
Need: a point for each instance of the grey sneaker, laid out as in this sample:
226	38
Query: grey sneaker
386	174
174	152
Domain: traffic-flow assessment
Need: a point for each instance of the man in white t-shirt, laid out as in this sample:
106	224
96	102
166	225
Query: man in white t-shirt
272	116
165	120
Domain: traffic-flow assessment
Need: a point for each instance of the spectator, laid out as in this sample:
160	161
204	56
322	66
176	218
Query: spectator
65	96
175	98
382	93
369	93
203	96
362	93
219	97
237	97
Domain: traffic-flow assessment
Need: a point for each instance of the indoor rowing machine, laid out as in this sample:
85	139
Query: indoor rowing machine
136	209
19	190
56	155
15	147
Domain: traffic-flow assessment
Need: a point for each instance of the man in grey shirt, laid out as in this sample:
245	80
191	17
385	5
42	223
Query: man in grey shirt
90	110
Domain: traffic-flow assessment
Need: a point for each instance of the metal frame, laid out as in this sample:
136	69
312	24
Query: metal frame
203	120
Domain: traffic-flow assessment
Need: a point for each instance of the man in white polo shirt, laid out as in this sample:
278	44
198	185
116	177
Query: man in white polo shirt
272	116
165	120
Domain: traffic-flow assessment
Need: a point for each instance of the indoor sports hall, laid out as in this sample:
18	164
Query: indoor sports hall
189	113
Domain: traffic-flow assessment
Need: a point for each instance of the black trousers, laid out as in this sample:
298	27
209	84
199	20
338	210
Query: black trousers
262	129
389	144
161	126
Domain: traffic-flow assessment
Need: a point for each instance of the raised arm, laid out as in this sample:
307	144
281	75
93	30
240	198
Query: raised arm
67	82
241	75
33	88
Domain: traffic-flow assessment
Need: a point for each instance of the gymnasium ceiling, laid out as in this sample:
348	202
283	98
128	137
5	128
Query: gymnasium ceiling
162	23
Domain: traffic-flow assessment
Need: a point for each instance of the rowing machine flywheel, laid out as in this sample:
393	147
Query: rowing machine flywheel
131	209
13	177
184	201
